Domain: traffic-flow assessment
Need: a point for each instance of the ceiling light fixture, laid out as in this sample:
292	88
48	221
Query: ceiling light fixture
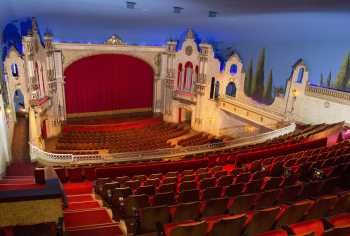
178	10
212	14
130	5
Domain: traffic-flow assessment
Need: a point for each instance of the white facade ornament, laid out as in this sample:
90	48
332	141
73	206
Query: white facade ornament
189	34
114	40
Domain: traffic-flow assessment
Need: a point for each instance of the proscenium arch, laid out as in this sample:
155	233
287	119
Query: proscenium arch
108	82
69	61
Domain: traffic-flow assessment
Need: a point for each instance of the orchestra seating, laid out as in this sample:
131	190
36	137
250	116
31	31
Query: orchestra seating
198	139
149	137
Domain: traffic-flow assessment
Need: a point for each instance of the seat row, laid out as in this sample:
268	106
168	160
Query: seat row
338	225
256	221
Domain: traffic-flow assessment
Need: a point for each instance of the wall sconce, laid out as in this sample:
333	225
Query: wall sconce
8	110
294	92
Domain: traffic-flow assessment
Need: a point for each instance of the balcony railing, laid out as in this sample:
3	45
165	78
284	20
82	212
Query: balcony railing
185	95
327	93
64	159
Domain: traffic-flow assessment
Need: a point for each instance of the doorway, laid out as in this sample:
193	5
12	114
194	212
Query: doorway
185	116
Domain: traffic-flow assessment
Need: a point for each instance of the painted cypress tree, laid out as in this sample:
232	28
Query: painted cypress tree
258	82
329	80
267	96
248	79
321	80
343	74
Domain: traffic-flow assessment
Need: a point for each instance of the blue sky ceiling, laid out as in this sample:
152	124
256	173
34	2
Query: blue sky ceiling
316	30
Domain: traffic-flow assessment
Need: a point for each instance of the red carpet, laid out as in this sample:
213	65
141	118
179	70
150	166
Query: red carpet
86	217
103	230
82	205
79	198
78	188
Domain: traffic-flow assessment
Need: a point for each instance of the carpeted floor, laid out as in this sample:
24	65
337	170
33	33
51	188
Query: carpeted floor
84	215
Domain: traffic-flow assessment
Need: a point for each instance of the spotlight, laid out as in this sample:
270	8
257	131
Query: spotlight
212	14
177	10
130	5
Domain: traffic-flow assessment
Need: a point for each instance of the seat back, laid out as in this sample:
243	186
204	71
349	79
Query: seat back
224	180
242	203
229	226
216	206
242	178
154	182
170	187
234	190
190	229
321	207
253	186
187	185
338	231
168	180
146	189
153	217
207	182
135	202
294	213
189	177
261	221
191	195
273	183
306	227
211	192
290	193
165	198
187	211
267	198
342	204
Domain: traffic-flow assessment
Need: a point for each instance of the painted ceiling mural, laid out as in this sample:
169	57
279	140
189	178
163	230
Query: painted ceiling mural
315	30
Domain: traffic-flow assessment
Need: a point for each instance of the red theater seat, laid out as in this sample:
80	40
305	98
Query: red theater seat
186	211
306	227
261	221
293	213
228	226
278	232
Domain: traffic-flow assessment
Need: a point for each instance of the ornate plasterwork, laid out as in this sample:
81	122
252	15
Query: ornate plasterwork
114	40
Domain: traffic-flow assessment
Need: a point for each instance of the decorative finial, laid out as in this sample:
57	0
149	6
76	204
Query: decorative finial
114	40
190	34
34	25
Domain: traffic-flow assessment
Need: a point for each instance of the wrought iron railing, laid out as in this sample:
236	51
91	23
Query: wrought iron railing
53	159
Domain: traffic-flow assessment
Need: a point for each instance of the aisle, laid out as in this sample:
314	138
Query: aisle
85	215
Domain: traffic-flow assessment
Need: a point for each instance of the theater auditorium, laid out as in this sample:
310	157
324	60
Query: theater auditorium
174	118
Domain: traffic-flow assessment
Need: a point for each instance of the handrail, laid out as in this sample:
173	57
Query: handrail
53	159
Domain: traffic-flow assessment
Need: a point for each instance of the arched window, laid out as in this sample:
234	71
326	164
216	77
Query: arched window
187	83
179	76
14	70
212	84
18	100
300	75
233	69
217	88
231	89
197	71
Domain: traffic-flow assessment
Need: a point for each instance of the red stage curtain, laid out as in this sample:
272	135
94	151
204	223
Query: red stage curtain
108	82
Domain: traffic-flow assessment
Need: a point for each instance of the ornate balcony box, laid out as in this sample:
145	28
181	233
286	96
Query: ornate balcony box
185	97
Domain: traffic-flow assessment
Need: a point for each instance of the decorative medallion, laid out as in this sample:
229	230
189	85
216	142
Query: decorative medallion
188	50
114	40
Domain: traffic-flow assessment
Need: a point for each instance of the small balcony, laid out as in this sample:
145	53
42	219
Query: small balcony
185	96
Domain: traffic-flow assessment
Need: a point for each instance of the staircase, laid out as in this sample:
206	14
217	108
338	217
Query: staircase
20	164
